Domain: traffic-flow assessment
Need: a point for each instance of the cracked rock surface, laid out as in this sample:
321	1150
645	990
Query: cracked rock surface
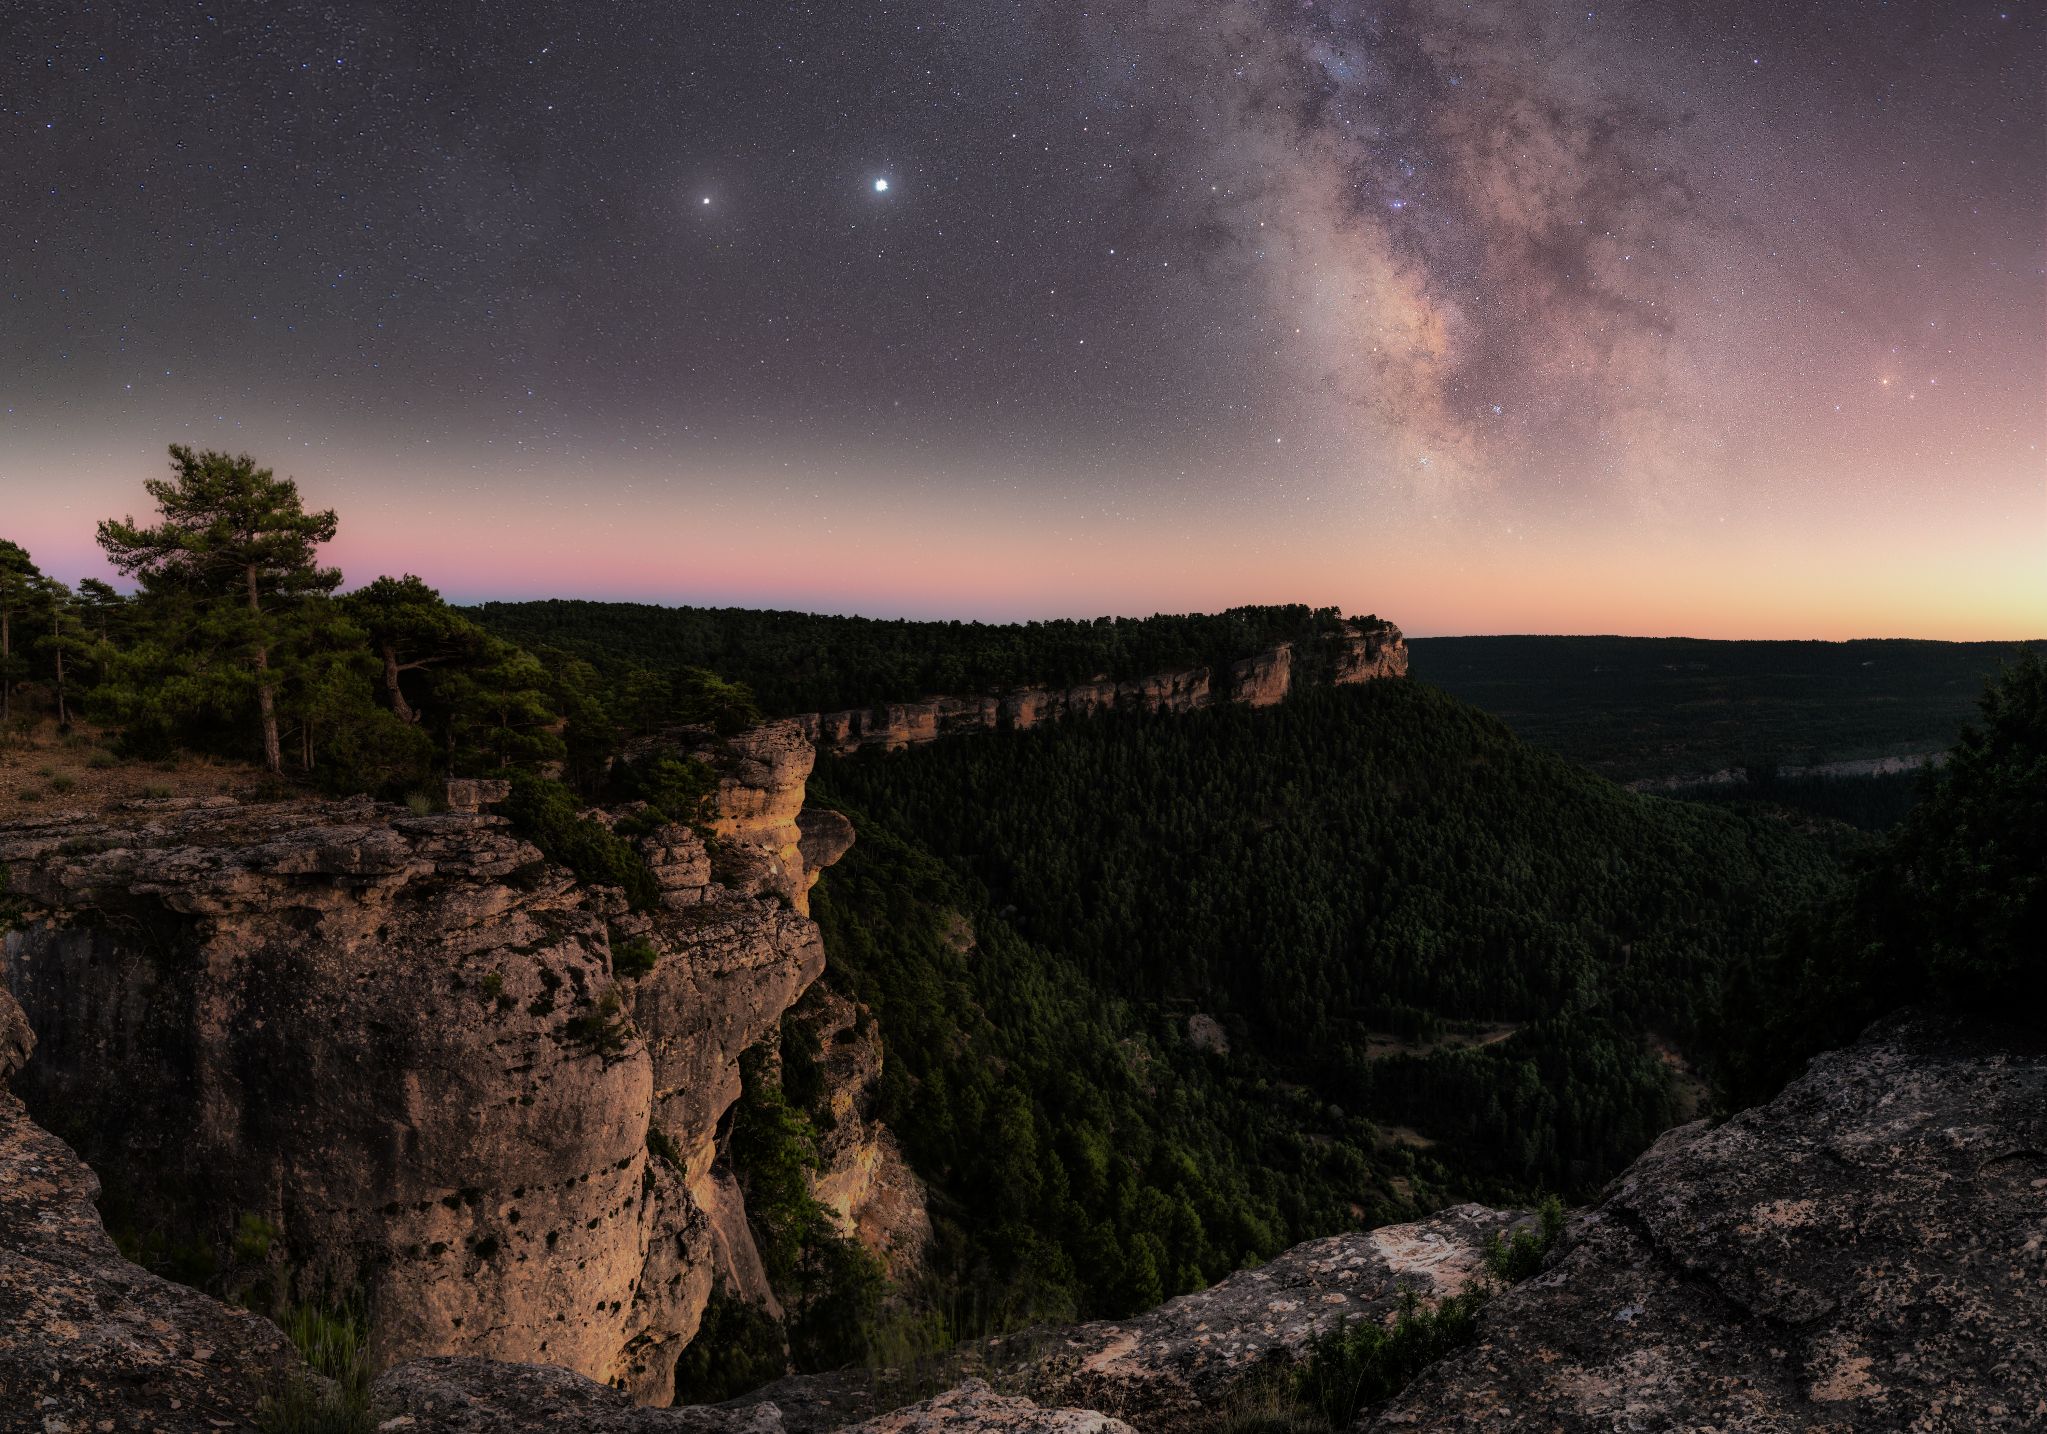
1866	1252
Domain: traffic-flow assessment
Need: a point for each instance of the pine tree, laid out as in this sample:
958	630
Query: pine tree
411	630
20	594
66	640
237	543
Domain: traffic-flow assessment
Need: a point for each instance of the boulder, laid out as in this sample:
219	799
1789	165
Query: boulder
90	1342
974	1408
1866	1252
478	1396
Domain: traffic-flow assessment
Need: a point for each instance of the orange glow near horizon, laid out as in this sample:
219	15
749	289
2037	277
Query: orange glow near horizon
897	548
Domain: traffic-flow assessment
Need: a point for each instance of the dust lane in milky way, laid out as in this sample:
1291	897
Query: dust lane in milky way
1726	319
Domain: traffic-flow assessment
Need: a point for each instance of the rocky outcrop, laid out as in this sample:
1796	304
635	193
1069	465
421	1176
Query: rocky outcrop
477	1396
974	1408
91	1342
1358	651
400	1043
862	1178
1867	1252
1176	1369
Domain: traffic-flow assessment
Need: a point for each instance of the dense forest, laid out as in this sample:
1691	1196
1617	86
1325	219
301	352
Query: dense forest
1445	964
808	662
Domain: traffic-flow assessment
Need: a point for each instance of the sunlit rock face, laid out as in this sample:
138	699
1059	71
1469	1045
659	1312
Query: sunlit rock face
1866	1252
1360	651
398	1041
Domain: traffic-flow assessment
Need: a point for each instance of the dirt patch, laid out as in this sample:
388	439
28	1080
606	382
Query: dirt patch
45	772
1381	1044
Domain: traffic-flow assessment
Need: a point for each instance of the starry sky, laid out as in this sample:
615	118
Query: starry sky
1717	318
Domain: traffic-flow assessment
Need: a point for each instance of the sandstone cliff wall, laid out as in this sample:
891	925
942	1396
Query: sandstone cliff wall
400	1042
1359	652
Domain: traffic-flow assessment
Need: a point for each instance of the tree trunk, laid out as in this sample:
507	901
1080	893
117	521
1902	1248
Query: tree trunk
57	646
266	695
399	705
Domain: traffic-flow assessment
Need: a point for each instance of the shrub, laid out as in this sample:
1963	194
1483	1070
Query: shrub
544	812
634	957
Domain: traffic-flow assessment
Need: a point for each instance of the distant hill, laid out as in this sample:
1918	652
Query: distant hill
1650	707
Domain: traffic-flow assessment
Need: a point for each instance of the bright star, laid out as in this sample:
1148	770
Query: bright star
881	186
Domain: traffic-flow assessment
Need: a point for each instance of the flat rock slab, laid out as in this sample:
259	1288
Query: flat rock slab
1867	1252
89	1342
974	1408
466	1395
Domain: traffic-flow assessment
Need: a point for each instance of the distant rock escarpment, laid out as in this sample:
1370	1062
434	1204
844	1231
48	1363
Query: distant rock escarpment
1358	651
1867	1252
397	1053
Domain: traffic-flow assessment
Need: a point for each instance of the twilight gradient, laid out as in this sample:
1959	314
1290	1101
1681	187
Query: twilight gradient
1727	319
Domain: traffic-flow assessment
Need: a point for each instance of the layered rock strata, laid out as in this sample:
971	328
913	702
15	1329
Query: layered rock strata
1357	652
396	1047
1867	1252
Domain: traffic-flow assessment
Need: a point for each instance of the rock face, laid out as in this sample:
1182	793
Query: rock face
399	1042
1867	1252
1359	651
1174	1370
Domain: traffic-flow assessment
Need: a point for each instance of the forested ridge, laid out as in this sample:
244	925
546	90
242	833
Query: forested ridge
814	662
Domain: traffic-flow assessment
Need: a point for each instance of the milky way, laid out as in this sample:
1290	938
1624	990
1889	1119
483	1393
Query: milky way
986	308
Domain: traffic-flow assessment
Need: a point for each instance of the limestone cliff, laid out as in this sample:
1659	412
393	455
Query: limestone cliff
400	1042
1357	652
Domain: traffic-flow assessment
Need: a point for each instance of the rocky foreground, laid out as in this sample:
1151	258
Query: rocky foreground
1867	1252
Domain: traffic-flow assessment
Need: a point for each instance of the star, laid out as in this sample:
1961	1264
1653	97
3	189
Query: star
881	186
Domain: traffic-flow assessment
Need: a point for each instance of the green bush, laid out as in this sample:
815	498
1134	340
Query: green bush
633	958
546	813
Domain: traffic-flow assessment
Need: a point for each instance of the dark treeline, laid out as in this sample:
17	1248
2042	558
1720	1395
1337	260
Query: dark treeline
1632	707
808	662
1346	883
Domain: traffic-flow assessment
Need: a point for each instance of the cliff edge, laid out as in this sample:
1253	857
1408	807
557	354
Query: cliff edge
1866	1252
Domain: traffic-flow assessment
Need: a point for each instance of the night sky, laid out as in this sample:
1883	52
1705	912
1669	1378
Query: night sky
1716	318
